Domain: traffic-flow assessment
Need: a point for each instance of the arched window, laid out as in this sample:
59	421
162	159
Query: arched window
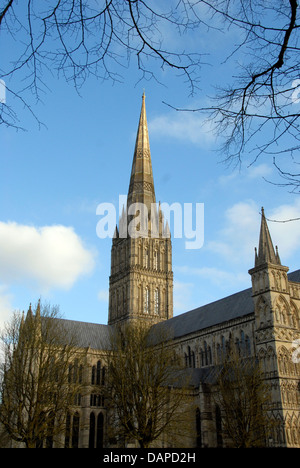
77	399
98	374
222	349
96	400
155	260
162	259
140	254
98	378
205	354
146	300
156	301
75	372
209	356
146	258
93	380
243	342
190	358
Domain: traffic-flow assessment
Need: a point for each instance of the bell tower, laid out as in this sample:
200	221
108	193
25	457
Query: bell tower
141	280
275	328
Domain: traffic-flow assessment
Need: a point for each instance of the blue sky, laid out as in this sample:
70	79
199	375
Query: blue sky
52	179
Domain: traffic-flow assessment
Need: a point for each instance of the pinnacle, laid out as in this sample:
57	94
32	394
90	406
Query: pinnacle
141	187
266	252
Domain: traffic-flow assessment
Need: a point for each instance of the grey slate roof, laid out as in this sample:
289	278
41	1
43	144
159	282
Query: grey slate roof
229	308
294	276
93	335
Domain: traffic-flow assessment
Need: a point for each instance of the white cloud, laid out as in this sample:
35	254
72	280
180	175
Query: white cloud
237	239
259	171
234	245
240	234
285	234
185	126
47	257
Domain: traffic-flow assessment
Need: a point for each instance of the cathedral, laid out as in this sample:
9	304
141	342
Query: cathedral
262	321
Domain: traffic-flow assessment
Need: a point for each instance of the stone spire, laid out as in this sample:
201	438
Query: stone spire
141	187
141	279
266	252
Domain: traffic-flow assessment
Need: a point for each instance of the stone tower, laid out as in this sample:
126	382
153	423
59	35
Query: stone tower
276	326
141	280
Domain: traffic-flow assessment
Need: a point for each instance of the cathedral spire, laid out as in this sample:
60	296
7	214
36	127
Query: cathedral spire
141	279
266	252
141	187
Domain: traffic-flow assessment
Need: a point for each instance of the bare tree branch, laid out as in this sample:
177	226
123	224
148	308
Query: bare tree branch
80	39
257	113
